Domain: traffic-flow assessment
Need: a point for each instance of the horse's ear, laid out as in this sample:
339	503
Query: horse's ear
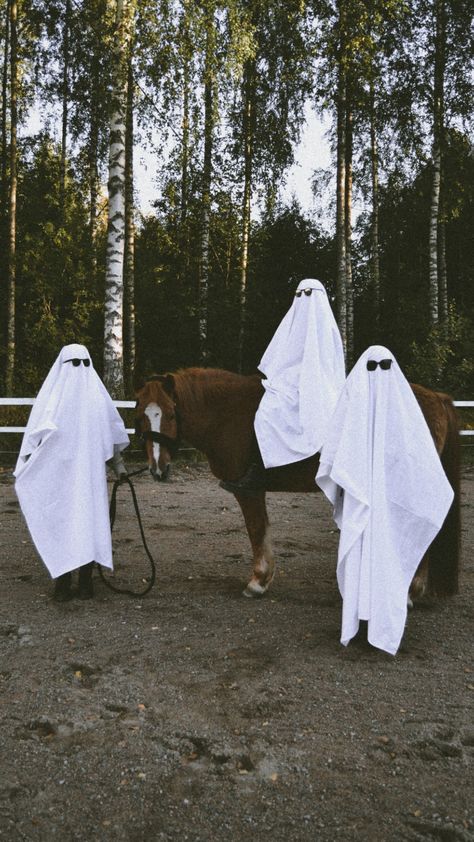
138	385
168	384
145	380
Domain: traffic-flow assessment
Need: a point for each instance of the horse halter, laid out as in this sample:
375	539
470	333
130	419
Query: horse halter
384	364
172	445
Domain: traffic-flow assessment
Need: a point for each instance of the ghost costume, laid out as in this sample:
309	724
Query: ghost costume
60	473
304	370
380	469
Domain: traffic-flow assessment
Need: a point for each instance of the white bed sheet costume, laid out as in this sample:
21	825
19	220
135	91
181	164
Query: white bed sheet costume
305	372
380	469
60	474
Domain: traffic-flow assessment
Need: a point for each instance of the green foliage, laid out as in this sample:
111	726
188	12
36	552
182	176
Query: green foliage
290	52
55	297
285	248
439	356
446	357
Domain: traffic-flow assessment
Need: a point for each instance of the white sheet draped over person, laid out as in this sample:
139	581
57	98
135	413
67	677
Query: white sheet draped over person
304	372
380	469
61	484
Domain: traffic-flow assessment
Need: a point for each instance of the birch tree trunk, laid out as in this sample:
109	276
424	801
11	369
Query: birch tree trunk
374	232
93	152
341	304
209	82
248	138
186	58
65	104
186	53
129	279
185	147
433	234
438	95
443	278
114	271
348	239
6	49
11	270
93	184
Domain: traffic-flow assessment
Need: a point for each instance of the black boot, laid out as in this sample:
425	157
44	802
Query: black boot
86	588
62	588
250	483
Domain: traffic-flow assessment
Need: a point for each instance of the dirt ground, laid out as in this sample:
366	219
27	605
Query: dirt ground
196	714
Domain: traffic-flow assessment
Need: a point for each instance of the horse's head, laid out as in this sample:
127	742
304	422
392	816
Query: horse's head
157	423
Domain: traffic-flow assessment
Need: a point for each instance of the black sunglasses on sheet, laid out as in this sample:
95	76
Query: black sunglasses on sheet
300	292
384	364
77	362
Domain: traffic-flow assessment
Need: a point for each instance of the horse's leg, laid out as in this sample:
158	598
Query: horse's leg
255	515
419	584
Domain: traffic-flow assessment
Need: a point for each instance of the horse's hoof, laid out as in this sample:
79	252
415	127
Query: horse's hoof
254	591
62	588
417	590
85	588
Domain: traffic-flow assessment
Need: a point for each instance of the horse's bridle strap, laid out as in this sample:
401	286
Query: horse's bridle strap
160	438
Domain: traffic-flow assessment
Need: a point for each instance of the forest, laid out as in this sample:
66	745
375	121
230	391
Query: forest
218	91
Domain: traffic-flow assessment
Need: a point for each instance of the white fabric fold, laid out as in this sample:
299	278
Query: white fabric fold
304	370
380	469
60	473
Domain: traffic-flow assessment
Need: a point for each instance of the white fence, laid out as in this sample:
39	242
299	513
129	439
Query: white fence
131	405
30	402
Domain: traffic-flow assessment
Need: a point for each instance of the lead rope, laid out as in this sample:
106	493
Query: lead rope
112	513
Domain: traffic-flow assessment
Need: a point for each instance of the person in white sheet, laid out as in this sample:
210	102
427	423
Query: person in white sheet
380	469
304	373
61	483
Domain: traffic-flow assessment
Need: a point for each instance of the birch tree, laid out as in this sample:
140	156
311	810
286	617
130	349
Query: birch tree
249	117
11	270
65	100
91	95
438	126
374	228
129	265
274	54
210	106
113	308
4	166
341	232
348	149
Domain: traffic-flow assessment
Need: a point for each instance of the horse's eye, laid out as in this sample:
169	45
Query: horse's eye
171	417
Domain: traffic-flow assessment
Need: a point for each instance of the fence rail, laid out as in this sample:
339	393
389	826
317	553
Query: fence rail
30	402
131	405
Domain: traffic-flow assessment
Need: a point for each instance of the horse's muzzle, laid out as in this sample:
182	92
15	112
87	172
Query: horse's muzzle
160	476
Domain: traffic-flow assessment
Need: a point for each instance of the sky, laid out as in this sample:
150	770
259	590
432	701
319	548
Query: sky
313	152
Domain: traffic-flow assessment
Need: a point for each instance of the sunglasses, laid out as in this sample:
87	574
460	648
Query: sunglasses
305	291
77	362
384	364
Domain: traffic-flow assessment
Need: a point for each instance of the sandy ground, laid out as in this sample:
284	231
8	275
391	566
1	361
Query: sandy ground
197	714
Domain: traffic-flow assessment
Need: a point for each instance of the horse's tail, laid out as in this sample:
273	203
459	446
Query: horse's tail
444	552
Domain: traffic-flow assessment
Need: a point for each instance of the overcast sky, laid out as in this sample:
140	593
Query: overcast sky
312	153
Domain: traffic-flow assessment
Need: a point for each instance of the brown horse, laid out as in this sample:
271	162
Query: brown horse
214	410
